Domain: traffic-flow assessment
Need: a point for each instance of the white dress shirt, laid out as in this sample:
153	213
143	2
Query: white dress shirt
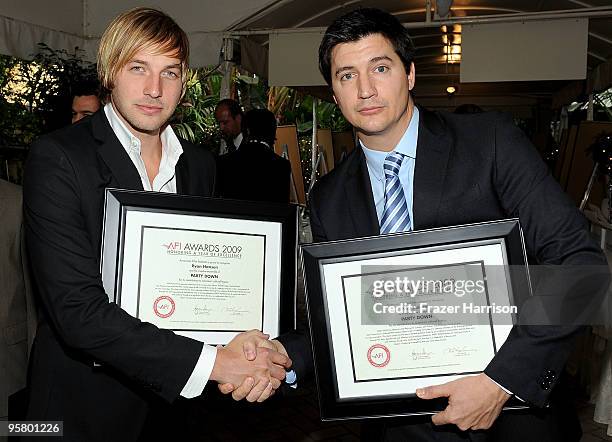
238	141
165	181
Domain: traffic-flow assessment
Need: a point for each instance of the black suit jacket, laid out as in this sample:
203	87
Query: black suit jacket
472	168
254	172
66	175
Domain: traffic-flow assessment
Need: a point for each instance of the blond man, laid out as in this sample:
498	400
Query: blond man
142	63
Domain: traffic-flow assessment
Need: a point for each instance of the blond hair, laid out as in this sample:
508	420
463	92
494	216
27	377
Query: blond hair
135	30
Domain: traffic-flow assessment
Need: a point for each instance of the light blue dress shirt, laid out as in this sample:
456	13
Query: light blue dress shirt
375	160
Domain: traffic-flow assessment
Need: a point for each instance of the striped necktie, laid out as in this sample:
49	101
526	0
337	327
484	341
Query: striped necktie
396	217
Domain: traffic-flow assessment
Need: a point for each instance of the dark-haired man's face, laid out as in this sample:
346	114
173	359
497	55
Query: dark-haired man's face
372	89
83	106
230	126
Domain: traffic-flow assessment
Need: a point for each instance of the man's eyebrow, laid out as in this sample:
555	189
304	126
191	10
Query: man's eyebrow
170	66
380	58
343	68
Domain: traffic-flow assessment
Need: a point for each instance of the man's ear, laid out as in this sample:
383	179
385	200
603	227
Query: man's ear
411	76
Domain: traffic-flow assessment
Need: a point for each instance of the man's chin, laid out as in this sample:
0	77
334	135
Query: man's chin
371	130
148	129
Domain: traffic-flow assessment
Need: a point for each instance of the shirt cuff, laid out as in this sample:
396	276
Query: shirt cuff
291	378
201	372
505	389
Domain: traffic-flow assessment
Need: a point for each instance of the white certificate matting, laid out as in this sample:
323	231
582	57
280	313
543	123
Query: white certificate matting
207	279
388	360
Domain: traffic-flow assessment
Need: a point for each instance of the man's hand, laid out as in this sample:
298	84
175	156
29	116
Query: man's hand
474	402
262	374
248	389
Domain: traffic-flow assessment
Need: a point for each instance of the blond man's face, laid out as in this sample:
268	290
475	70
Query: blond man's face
147	90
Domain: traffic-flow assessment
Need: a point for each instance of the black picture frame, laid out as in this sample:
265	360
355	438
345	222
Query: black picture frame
315	256
119	202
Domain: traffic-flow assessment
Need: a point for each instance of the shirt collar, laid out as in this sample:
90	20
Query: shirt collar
407	145
238	140
170	142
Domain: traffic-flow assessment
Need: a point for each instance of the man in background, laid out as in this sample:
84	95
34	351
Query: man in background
85	100
254	172
228	114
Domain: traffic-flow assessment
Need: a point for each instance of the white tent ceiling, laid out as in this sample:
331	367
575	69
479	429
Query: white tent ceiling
65	24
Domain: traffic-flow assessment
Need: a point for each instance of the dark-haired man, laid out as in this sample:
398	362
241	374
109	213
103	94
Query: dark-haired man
254	172
228	114
85	100
417	169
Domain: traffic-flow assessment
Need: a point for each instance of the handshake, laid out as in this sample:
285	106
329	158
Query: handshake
250	367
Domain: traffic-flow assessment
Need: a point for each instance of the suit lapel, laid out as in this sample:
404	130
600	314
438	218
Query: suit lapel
113	154
433	150
182	175
358	191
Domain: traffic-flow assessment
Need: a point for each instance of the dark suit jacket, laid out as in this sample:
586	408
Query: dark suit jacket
17	309
253	172
472	168
66	175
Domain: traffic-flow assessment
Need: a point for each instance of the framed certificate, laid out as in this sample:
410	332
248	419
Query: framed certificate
393	313
205	268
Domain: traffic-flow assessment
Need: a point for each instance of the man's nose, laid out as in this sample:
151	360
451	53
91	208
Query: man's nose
153	87
366	87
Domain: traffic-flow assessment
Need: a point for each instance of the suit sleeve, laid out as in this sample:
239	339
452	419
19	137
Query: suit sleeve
318	232
297	343
531	360
65	268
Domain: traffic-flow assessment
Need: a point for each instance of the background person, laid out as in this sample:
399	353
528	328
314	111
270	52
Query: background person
254	172
85	100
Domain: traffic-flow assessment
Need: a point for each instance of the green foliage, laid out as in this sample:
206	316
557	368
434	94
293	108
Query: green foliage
328	116
251	91
35	95
194	118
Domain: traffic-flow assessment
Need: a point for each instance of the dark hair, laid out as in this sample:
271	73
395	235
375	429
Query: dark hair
359	24
232	105
260	124
86	87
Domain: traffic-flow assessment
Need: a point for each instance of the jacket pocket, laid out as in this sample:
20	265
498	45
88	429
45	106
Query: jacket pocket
13	334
